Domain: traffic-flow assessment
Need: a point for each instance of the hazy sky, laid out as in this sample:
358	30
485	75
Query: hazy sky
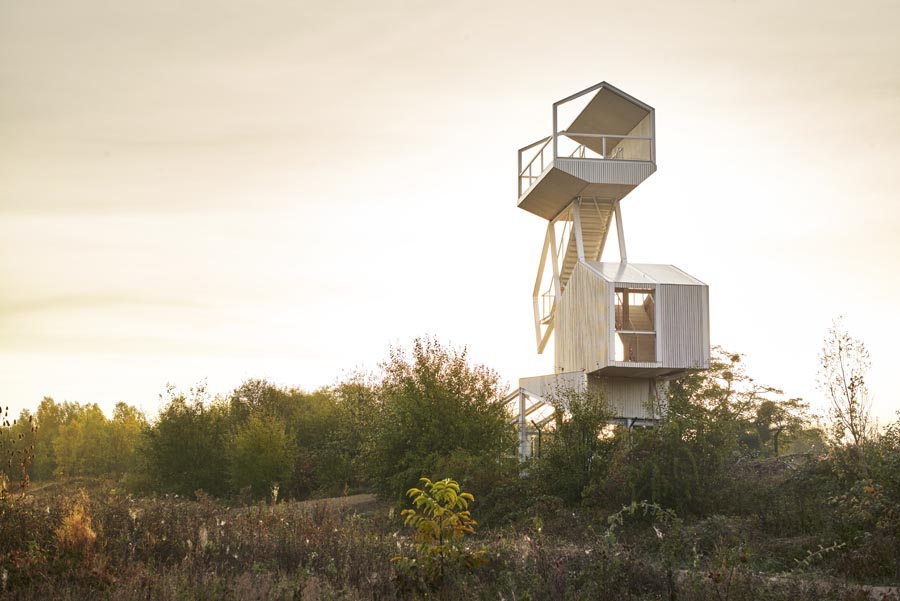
283	189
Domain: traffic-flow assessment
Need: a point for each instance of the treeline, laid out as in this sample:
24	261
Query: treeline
427	410
726	446
70	439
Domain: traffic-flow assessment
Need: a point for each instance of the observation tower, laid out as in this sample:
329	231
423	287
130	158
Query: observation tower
619	329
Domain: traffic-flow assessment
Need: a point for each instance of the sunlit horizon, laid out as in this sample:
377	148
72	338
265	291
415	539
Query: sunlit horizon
282	191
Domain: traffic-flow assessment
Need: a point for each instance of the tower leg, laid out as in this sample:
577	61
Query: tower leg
620	232
523	431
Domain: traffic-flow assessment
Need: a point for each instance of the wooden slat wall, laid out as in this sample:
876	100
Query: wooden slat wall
582	323
684	325
635	150
628	397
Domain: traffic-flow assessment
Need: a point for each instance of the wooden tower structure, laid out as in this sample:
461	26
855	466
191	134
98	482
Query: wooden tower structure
621	329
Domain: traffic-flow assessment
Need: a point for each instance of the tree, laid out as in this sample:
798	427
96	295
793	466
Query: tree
775	419
575	453
686	462
50	417
316	424
261	456
434	405
125	430
358	402
843	367
81	447
185	448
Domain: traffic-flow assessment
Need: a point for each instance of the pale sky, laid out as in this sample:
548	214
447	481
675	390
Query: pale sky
283	189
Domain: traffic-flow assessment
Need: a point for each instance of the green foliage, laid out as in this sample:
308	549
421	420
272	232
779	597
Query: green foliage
185	448
714	419
69	439
324	426
90	444
433	403
441	519
261	456
576	453
50	417
258	436
779	422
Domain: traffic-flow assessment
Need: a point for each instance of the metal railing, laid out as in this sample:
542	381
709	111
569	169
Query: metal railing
613	147
548	305
541	159
635	347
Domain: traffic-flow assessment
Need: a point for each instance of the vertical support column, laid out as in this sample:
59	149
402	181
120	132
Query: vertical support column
554	255
620	231
523	432
555	147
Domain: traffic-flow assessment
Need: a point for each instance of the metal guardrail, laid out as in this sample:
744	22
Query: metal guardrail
547	153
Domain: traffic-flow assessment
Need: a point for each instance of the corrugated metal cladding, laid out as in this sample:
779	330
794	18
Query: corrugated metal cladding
599	171
684	325
582	323
628	397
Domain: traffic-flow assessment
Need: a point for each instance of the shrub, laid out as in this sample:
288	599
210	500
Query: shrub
441	519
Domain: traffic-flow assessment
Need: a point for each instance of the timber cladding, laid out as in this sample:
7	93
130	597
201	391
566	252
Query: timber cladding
582	323
684	325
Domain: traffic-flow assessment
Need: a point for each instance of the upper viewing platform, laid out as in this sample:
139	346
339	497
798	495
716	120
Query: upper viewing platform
607	150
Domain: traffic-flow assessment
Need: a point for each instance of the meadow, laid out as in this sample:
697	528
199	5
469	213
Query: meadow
85	540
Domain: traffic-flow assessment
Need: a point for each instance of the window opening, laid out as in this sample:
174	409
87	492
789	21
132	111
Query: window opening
635	325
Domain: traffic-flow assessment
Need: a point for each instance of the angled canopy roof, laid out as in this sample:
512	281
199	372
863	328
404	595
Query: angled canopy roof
610	111
638	273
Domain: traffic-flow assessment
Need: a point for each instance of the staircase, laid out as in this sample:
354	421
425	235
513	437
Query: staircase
595	222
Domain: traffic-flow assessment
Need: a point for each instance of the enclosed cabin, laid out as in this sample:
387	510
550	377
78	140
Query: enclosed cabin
622	330
632	320
607	149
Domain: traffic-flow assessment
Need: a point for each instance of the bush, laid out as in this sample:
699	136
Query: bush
434	404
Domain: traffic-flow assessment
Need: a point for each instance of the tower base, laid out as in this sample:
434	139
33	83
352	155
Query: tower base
632	402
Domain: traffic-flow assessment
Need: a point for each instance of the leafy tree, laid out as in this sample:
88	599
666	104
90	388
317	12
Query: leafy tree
261	455
81	447
575	453
775	420
843	367
685	463
185	448
357	401
50	417
315	422
432	403
125	430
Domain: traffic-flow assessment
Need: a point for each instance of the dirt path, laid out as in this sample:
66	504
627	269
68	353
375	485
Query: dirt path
348	501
